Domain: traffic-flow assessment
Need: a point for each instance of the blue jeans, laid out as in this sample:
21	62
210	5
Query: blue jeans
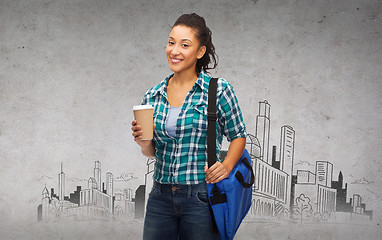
178	212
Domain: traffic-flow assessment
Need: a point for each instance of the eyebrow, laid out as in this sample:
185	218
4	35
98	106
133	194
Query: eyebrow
185	39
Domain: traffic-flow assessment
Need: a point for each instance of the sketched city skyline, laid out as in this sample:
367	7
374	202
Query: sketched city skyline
99	201
278	193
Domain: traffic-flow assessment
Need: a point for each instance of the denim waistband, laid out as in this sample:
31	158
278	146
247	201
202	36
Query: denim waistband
181	188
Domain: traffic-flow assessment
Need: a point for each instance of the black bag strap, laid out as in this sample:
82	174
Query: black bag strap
212	117
211	135
211	145
240	177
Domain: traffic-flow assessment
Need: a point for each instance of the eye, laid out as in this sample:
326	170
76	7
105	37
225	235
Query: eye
170	43
185	45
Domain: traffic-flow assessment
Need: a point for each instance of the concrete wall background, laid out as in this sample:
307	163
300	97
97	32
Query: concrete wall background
70	71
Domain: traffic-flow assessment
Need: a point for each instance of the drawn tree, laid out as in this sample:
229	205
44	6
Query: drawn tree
118	212
55	208
303	209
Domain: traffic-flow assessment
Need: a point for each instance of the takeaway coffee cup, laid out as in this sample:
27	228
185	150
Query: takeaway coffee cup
144	116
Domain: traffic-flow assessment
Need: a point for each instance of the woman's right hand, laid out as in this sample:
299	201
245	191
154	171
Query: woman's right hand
137	134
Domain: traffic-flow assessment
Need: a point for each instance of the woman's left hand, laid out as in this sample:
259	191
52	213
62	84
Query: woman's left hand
216	172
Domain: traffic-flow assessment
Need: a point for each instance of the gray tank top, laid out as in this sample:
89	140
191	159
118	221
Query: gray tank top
171	120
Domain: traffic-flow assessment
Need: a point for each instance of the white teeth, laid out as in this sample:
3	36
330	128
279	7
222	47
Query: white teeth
175	60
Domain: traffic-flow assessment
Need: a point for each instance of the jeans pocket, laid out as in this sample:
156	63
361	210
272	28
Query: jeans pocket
154	190
202	197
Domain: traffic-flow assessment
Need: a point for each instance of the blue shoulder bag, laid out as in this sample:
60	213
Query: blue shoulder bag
231	198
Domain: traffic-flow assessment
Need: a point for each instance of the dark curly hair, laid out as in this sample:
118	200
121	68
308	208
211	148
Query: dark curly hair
204	35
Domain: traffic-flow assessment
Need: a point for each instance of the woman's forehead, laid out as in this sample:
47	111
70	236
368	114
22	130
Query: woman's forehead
183	32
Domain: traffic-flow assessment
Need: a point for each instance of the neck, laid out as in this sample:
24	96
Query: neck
182	78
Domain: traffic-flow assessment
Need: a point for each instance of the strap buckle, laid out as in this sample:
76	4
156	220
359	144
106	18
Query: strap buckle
211	116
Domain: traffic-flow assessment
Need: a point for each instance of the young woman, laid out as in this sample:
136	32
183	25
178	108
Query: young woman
177	207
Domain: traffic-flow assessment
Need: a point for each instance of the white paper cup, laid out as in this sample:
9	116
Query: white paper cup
143	114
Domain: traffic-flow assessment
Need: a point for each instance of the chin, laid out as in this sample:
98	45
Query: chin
174	69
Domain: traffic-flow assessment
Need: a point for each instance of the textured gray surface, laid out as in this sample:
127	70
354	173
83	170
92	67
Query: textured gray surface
70	72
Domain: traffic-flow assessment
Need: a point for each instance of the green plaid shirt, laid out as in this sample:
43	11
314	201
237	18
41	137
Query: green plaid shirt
181	159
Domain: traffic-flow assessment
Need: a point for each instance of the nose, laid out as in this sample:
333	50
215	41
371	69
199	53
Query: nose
175	49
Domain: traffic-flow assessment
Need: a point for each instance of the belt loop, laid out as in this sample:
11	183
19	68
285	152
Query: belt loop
189	190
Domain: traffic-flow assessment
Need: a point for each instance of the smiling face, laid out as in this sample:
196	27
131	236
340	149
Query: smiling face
183	49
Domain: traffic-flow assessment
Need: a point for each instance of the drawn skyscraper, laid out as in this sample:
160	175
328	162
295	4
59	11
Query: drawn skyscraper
286	157
45	204
92	183
357	204
324	173
263	130
61	185
341	204
109	189
109	183
97	175
287	148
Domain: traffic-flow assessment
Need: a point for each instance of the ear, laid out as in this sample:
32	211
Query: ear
201	52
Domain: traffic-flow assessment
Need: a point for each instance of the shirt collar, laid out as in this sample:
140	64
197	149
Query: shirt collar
202	82
162	87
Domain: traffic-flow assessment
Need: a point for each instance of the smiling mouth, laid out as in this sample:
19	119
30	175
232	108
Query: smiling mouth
174	60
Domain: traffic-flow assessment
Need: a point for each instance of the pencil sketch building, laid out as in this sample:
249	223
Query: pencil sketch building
328	197
123	204
317	187
97	201
272	187
286	159
348	211
276	191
